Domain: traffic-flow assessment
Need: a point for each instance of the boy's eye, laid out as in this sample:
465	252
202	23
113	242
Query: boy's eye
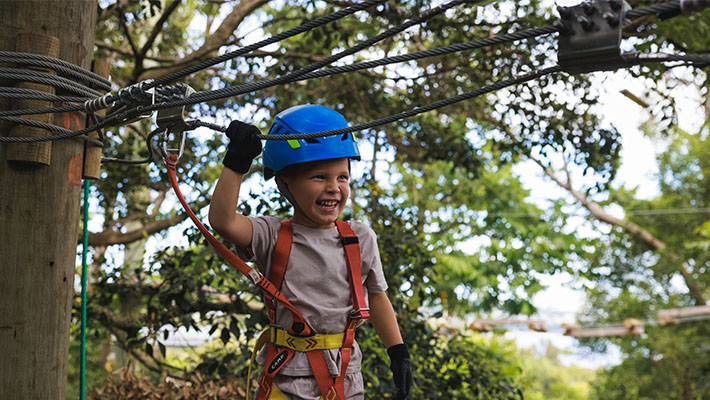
318	177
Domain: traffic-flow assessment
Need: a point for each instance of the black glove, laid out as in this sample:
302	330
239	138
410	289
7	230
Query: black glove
401	367
243	146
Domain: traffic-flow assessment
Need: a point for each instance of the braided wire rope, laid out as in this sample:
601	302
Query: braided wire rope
454	48
49	110
149	158
422	109
659	8
662	8
64	71
250	87
47	79
31	94
276	38
62	133
56	62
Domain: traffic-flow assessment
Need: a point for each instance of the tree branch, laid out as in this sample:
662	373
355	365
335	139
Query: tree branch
156	30
598	212
215	41
109	237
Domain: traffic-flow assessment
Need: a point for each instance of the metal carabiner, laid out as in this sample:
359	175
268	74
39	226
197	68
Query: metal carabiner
175	151
173	120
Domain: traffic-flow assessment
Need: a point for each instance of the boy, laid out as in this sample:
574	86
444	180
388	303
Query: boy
314	175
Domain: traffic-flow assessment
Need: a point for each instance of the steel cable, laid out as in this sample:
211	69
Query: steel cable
47	79
50	110
250	87
148	159
418	110
57	62
663	8
277	38
31	94
67	72
63	133
476	44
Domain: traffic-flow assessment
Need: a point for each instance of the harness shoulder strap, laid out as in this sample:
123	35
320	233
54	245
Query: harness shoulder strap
351	244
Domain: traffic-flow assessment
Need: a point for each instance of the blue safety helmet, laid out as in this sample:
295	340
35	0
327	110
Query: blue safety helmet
307	118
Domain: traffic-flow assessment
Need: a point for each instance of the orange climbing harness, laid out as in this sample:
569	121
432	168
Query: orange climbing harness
282	345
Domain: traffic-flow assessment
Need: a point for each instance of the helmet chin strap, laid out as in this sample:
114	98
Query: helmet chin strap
286	192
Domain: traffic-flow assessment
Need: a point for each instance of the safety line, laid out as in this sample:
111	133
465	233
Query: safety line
277	38
31	94
454	48
148	159
84	257
418	110
49	110
56	62
63	133
250	87
663	8
67	72
47	79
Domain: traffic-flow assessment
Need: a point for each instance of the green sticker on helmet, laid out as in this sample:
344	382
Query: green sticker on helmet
294	144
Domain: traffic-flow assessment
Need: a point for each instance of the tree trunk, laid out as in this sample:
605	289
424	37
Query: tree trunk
39	209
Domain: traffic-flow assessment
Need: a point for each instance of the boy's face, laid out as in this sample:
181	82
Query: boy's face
321	189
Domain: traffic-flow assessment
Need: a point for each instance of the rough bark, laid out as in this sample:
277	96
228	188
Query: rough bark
40	207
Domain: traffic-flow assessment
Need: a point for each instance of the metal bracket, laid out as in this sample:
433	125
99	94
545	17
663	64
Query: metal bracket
591	38
136	94
172	119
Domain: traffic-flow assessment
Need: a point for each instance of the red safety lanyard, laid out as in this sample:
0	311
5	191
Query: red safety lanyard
276	358
255	276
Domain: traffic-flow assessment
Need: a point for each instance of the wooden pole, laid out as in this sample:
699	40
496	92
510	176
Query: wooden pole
92	154
38	152
39	210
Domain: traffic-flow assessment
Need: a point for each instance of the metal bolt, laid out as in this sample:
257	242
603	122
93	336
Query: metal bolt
616	4
589	9
565	12
611	17
586	22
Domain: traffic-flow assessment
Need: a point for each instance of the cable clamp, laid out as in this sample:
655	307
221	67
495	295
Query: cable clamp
590	38
138	99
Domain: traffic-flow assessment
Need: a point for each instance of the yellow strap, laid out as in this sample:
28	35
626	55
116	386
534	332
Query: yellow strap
323	341
260	342
282	338
276	394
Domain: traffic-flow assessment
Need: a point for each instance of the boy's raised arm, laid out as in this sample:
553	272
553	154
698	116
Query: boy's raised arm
243	147
223	214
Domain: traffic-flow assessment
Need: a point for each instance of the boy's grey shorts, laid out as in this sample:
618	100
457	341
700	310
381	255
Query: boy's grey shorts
306	388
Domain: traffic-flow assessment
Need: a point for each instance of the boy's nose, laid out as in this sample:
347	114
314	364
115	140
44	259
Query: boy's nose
332	187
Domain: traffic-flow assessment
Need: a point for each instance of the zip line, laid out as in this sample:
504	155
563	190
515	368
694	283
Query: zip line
141	99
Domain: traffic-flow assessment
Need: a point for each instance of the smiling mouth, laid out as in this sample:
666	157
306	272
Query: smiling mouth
329	204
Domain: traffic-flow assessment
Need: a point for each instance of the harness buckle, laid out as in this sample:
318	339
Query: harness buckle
360	313
254	275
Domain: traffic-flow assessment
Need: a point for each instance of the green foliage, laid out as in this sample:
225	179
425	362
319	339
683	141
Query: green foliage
545	378
456	230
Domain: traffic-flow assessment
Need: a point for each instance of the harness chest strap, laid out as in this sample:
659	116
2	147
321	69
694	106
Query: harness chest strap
330	389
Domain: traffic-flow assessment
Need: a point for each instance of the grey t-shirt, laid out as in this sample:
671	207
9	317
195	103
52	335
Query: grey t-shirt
316	282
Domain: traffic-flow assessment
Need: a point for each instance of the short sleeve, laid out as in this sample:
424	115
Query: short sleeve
263	239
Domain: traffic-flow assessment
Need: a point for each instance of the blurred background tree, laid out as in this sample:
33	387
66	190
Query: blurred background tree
457	229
